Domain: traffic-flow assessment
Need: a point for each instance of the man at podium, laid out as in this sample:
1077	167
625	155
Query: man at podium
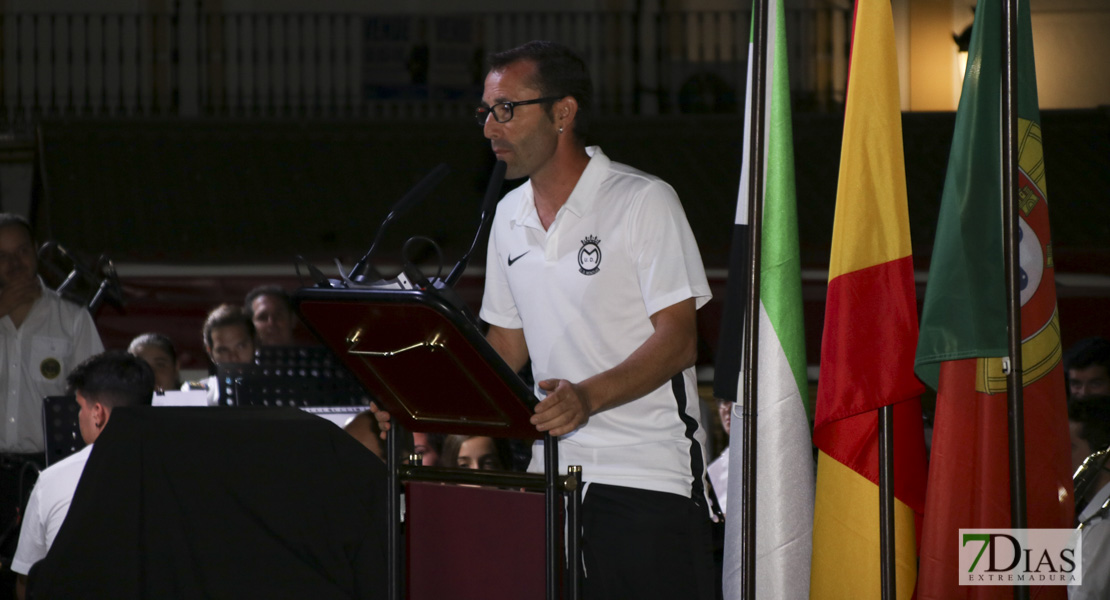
593	273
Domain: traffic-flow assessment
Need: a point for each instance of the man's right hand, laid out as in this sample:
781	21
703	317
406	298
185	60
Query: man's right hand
14	295
383	417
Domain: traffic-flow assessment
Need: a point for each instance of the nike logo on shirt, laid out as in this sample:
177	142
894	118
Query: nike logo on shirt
514	259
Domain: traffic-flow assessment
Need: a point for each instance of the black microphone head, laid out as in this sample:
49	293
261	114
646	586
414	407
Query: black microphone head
496	178
419	191
413	197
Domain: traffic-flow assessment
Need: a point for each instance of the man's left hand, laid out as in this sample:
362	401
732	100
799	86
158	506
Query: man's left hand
565	408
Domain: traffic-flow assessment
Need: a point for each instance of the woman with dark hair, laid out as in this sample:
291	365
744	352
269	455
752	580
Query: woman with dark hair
476	452
157	351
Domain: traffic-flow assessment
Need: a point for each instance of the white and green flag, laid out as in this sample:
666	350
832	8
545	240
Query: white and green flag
785	473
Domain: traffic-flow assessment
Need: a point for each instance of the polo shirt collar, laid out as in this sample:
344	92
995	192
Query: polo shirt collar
585	191
526	214
583	195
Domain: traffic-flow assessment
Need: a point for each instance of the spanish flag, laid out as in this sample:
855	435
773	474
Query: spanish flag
867	349
964	329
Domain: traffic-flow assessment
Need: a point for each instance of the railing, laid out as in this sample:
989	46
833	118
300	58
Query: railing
191	64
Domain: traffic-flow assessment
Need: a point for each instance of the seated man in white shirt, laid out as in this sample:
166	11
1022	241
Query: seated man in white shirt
1089	423
101	383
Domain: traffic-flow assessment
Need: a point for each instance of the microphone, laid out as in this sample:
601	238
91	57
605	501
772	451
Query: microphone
413	197
488	204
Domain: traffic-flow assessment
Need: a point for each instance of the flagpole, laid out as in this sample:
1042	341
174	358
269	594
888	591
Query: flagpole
1011	253
751	331
887	571
886	503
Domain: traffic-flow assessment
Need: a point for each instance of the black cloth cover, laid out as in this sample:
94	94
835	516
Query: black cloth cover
221	503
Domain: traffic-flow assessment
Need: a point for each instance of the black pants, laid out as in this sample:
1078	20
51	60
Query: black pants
643	544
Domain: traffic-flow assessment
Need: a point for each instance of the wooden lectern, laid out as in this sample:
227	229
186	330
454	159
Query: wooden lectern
427	363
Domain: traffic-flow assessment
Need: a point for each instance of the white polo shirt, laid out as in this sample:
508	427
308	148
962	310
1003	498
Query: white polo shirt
47	509
583	291
1096	551
34	362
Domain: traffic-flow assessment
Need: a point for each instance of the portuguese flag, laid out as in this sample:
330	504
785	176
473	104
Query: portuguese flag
964	331
870	332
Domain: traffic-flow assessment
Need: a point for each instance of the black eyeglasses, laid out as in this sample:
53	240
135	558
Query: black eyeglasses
503	111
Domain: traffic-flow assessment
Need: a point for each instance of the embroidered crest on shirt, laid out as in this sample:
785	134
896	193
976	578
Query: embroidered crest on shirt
589	256
50	368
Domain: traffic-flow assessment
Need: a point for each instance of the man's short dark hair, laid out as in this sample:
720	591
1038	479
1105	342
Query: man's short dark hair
1093	415
266	290
113	379
156	340
13	220
560	72
1090	352
224	315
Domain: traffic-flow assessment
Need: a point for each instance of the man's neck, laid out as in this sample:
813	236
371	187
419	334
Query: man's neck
552	186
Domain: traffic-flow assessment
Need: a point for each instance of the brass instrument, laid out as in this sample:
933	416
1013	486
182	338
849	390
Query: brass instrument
1083	481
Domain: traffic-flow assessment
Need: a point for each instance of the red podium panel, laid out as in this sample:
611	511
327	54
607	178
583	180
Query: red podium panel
424	361
474	542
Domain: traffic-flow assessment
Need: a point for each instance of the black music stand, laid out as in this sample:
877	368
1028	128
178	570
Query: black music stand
61	427
300	376
430	367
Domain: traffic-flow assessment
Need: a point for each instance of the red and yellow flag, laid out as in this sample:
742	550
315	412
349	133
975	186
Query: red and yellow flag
870	334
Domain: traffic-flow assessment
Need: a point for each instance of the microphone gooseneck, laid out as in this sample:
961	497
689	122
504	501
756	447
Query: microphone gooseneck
493	190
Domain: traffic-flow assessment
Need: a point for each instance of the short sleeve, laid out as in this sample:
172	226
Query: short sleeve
665	252
86	339
32	536
498	306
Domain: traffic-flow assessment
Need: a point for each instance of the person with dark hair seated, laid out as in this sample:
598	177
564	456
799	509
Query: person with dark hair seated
101	383
476	452
229	335
229	338
1089	425
158	351
1087	366
271	311
429	446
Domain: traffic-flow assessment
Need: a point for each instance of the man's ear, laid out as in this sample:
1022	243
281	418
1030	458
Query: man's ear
100	414
565	111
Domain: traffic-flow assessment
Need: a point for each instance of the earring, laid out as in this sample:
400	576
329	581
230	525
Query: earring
560	130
